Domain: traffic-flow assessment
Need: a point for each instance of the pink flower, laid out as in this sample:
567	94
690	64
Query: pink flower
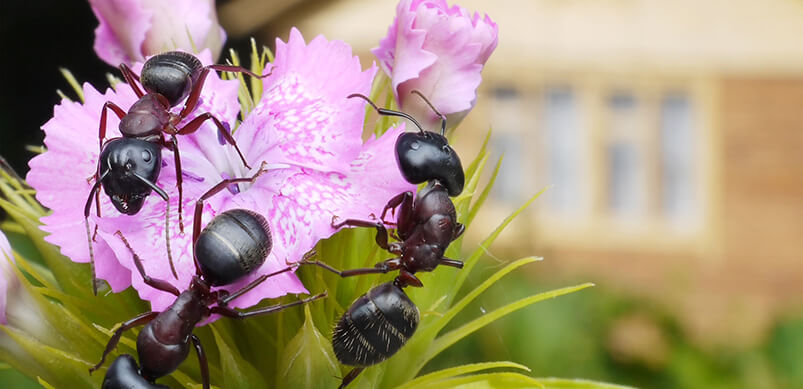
439	51
304	128
7	276
131	30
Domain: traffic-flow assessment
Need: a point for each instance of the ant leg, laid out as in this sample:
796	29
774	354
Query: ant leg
130	76
194	124
201	360
381	267
164	197
406	278
102	127
192	100
253	284
387	112
195	93
155	283
137	321
404	199
350	376
381	231
451	262
233	313
199	205
173	146
87	209
237	69
440	115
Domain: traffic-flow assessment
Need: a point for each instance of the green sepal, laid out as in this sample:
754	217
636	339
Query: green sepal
308	360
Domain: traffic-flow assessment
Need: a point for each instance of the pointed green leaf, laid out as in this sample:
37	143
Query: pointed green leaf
475	256
456	308
44	383
453	336
485	192
76	86
459	370
60	367
308	360
237	371
487	380
73	278
568	383
474	165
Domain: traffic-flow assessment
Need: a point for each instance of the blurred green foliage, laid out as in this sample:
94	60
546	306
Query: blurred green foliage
573	338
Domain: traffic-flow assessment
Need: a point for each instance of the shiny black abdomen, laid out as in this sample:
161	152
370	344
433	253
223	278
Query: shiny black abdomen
235	243
375	327
426	156
122	158
171	74
124	374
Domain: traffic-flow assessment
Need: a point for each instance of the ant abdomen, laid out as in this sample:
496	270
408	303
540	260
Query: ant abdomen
124	374
424	156
171	74
232	245
375	327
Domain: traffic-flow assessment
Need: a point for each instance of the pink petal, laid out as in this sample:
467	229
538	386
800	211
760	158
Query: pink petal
122	29
6	274
439	51
302	209
130	30
316	125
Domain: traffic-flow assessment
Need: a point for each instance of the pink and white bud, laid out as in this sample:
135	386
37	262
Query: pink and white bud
131	30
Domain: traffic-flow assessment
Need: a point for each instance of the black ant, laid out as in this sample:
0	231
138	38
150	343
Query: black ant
129	166
381	321
234	244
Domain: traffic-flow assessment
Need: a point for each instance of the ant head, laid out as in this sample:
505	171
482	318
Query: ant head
171	74
126	164
425	156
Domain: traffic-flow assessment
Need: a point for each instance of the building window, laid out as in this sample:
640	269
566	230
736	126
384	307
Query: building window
506	114
624	157
677	147
564	139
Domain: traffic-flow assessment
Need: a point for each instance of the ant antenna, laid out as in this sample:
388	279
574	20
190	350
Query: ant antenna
440	115
388	112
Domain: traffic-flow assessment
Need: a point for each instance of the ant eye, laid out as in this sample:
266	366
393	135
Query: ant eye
415	145
146	155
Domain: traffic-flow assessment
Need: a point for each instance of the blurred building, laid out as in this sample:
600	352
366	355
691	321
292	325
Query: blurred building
670	132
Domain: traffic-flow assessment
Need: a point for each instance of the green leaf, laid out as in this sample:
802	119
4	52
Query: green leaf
73	278
567	383
308	360
474	165
485	192
237	371
453	336
456	308
475	256
76	86
44	383
62	368
439	375
487	380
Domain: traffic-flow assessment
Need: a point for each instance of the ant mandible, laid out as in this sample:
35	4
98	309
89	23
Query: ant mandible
129	166
381	321
233	245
